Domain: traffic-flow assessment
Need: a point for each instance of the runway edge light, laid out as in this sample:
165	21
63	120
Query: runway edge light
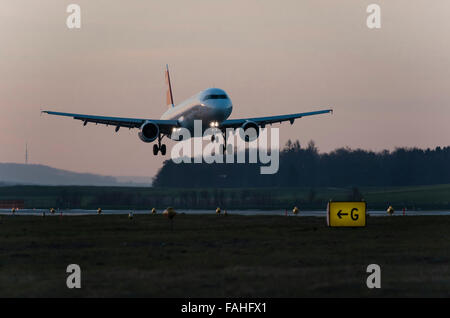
346	213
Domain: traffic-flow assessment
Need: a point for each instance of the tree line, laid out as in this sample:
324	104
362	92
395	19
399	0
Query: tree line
306	167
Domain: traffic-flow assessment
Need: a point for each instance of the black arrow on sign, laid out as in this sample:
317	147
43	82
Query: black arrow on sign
340	213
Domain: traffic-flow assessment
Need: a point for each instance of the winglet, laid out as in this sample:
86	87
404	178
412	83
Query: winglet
169	95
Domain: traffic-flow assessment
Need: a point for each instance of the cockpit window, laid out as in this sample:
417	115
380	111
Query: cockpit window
215	96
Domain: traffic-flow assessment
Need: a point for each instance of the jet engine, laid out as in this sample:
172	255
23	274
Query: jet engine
248	134
149	131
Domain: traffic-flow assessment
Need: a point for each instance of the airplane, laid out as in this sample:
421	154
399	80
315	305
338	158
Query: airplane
212	105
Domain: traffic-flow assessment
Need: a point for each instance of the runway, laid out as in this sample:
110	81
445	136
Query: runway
78	212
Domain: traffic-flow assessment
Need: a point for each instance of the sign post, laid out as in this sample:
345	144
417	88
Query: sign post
346	214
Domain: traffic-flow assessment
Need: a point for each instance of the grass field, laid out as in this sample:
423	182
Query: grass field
218	256
430	197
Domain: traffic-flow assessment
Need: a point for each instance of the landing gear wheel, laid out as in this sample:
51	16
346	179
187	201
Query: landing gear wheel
155	149
163	150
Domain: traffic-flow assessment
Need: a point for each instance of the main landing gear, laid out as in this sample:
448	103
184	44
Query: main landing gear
158	147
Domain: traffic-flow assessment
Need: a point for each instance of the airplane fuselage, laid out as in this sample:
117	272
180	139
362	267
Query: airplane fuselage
211	105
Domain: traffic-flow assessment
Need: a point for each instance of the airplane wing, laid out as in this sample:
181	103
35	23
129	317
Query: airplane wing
263	121
165	126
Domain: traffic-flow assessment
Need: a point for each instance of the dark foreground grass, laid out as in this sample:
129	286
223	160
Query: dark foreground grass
232	256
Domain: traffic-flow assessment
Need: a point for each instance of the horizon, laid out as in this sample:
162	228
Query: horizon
283	148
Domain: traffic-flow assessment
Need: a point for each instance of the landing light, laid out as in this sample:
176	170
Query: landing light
214	124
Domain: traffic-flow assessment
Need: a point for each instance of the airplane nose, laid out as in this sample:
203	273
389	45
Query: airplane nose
219	104
228	107
221	108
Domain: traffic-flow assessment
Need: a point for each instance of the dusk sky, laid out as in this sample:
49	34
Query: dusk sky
388	87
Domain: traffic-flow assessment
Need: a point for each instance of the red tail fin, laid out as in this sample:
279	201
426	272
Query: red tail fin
169	96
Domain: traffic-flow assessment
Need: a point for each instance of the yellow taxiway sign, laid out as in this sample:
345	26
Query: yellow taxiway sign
346	214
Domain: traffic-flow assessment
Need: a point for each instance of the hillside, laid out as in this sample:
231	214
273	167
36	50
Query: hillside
32	174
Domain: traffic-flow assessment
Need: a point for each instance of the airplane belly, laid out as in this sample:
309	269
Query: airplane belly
197	112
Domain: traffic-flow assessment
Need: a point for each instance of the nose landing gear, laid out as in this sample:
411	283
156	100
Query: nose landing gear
224	149
224	145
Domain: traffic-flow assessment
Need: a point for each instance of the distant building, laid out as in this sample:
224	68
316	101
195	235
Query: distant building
9	204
